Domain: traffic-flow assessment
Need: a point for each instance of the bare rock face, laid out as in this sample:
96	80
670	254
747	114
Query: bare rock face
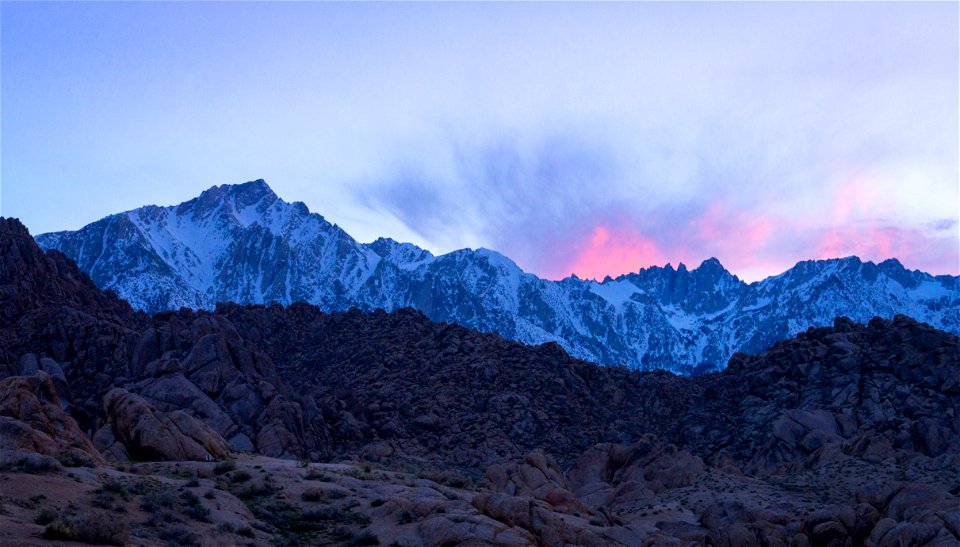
441	391
890	389
150	434
609	473
90	343
538	477
32	419
201	364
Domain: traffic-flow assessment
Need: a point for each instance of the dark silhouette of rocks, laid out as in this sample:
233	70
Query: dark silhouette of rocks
842	435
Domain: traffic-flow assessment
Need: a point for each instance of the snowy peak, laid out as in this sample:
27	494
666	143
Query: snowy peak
706	289
233	242
249	192
497	260
240	196
404	255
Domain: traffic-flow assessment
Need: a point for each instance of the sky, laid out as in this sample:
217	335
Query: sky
593	139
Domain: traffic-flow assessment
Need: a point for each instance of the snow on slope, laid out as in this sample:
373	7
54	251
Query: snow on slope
243	243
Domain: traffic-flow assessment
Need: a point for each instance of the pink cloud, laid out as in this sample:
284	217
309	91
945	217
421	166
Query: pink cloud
611	249
752	243
731	232
851	227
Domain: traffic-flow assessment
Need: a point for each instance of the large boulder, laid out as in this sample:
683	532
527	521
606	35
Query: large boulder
151	434
32	419
538	477
609	473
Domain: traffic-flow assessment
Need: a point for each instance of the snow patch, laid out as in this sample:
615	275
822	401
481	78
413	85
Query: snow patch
617	293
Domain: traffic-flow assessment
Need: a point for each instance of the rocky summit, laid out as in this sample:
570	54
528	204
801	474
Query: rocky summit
270	424
242	243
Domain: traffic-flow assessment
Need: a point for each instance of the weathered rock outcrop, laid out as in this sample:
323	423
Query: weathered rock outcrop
201	364
32	419
90	342
609	473
149	434
890	389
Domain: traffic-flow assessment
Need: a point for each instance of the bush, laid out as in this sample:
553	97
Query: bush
181	537
334	514
240	476
195	508
92	527
246	532
364	538
46	516
197	512
116	487
156	500
73	457
315	475
225	466
102	500
312	494
254	490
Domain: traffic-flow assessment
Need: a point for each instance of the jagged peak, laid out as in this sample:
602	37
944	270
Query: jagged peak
258	188
389	247
711	263
891	264
248	193
243	194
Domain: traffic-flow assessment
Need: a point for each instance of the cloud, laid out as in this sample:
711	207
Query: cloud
561	205
610	248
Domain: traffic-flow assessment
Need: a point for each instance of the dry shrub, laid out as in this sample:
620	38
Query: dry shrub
89	527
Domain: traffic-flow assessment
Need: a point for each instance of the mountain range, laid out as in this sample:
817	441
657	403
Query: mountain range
242	243
286	425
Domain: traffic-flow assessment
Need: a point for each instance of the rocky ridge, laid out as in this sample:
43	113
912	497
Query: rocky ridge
441	435
242	243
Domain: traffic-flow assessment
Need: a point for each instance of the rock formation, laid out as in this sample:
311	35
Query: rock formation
847	434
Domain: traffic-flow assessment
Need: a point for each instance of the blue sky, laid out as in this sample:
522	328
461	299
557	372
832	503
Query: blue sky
587	138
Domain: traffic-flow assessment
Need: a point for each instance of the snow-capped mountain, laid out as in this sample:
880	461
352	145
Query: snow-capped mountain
242	243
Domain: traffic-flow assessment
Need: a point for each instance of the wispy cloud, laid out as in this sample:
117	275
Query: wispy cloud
561	206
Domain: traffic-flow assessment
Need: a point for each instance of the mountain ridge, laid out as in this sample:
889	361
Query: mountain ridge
243	243
436	434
